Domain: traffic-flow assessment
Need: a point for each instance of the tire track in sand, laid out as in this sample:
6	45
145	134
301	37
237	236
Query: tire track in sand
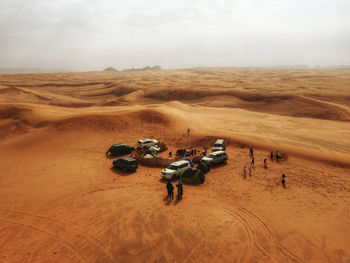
283	249
55	226
60	225
64	242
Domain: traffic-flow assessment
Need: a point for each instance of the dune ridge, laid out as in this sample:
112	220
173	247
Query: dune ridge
61	200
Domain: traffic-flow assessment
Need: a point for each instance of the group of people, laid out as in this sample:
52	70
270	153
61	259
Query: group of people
170	190
251	154
278	156
192	152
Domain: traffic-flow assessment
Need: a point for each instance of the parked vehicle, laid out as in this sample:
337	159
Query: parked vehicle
146	143
219	145
155	149
120	149
182	152
188	160
126	164
192	176
203	167
173	170
215	158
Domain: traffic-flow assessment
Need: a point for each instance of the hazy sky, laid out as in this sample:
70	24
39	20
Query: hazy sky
94	34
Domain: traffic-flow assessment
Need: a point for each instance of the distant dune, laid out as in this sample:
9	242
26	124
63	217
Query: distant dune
61	200
110	69
144	68
30	70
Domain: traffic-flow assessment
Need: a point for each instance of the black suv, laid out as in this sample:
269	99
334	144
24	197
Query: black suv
120	149
126	164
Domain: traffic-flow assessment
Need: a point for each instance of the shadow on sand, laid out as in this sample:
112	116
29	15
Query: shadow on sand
175	201
119	172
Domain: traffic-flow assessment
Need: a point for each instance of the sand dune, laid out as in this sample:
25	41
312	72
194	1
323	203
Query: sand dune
61	201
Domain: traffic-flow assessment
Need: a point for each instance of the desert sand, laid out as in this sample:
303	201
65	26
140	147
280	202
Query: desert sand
61	201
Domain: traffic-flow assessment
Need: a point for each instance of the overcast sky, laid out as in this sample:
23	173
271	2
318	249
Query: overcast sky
94	34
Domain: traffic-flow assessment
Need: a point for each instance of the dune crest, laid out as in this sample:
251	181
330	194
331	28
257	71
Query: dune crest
62	201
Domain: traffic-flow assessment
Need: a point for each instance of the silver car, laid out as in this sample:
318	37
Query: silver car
146	143
219	145
215	158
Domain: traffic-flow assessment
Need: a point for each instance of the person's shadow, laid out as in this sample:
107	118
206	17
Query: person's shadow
166	200
177	200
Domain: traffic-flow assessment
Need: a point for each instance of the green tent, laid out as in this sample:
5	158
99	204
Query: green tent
192	176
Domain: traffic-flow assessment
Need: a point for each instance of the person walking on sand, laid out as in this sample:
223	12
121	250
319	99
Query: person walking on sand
265	163
188	131
250	171
283	181
195	151
244	172
271	155
251	152
179	190
253	161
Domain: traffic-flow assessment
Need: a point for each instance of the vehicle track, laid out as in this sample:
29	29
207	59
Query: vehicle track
74	230
273	243
276	243
70	236
64	242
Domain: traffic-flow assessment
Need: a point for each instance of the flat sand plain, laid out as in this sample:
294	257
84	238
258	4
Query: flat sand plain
61	201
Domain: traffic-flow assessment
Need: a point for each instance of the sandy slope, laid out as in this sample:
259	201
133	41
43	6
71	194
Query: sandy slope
61	201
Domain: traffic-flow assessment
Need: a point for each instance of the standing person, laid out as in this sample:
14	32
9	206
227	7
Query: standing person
271	156
253	161
251	152
278	156
170	154
265	163
195	151
250	171
244	172
179	190
188	131
170	189
283	181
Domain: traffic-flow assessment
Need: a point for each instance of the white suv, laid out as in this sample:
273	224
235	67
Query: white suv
146	143
215	158
173	171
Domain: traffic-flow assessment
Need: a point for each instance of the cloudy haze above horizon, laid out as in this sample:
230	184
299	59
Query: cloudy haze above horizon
94	34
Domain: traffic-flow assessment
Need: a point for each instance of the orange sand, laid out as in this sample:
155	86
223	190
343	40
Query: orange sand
60	201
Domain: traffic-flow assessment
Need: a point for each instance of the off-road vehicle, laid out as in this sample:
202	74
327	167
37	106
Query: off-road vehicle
120	149
173	170
215	158
219	145
126	164
146	143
